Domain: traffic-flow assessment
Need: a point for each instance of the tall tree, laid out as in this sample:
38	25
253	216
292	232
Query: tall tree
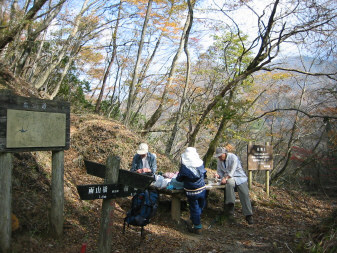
188	63
136	68
158	112
10	31
271	36
111	61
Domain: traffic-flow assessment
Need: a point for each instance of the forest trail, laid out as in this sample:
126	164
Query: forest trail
280	219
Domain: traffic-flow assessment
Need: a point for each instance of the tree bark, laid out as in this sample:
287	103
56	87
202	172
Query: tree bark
156	115
135	72
44	77
114	52
33	35
9	35
188	70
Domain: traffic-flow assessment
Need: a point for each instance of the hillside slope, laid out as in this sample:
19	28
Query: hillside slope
280	219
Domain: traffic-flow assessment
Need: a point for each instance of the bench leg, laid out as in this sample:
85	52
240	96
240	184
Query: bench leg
175	208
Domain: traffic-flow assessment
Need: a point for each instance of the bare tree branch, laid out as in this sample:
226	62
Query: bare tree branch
329	75
291	109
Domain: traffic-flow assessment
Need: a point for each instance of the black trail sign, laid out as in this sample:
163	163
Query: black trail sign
104	191
125	177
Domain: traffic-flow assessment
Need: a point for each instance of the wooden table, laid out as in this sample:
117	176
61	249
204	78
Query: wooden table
177	195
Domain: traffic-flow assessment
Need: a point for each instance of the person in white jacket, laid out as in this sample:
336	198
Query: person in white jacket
231	173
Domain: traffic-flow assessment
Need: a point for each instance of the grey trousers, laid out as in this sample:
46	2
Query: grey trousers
243	195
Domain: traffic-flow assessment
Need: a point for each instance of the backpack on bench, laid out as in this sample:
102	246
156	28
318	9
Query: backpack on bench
143	207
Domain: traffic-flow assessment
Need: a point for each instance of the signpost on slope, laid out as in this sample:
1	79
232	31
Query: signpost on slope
31	124
259	157
125	177
117	184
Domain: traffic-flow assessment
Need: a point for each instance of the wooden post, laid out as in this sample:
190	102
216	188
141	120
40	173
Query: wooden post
6	168
250	178
267	176
267	182
111	177
57	193
250	172
175	208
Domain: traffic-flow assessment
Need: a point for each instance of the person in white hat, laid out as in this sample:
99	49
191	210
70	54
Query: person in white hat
231	173
192	173
144	161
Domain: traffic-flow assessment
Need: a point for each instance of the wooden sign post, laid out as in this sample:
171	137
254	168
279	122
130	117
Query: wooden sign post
259	157
111	177
117	183
31	124
6	168
125	177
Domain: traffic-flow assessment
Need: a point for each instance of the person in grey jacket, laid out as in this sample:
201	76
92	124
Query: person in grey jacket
144	161
231	173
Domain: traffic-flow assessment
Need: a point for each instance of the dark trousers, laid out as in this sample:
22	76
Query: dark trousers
197	203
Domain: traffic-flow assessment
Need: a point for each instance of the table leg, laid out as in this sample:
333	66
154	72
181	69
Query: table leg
175	208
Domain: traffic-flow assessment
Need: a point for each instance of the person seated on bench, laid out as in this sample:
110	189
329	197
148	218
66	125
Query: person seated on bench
231	173
144	161
192	173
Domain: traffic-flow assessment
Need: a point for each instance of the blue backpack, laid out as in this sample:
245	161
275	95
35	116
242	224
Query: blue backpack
143	207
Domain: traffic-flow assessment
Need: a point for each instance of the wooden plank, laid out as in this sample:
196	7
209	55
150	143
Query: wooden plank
57	193
175	208
105	235
95	169
6	168
104	191
134	179
30	105
125	177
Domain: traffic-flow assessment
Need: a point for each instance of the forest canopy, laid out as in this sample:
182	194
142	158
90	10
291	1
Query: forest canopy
190	73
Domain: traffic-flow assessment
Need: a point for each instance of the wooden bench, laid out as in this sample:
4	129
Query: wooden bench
177	195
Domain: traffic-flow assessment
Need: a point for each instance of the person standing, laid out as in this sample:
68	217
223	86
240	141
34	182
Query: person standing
144	161
231	173
192	173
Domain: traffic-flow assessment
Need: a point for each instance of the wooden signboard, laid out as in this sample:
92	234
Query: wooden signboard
31	124
260	157
125	177
104	191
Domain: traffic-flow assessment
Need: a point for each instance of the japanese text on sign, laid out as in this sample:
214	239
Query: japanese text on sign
260	157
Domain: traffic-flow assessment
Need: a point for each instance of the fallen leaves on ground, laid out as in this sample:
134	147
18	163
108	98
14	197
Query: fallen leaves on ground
280	220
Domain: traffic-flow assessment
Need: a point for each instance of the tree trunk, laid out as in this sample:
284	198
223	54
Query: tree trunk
64	73
156	115
278	174
33	35
188	70
257	63
42	80
9	35
135	72
114	52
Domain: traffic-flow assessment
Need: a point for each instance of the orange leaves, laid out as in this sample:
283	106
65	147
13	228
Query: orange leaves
89	55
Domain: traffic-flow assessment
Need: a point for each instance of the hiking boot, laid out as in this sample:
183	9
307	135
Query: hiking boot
249	219
229	209
197	231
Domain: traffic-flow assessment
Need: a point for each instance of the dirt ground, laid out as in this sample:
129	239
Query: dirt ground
280	219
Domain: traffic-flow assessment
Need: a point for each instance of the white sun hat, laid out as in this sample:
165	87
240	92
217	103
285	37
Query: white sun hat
143	149
190	158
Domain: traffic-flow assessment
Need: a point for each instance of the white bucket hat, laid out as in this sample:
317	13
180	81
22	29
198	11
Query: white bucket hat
143	149
190	158
219	151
